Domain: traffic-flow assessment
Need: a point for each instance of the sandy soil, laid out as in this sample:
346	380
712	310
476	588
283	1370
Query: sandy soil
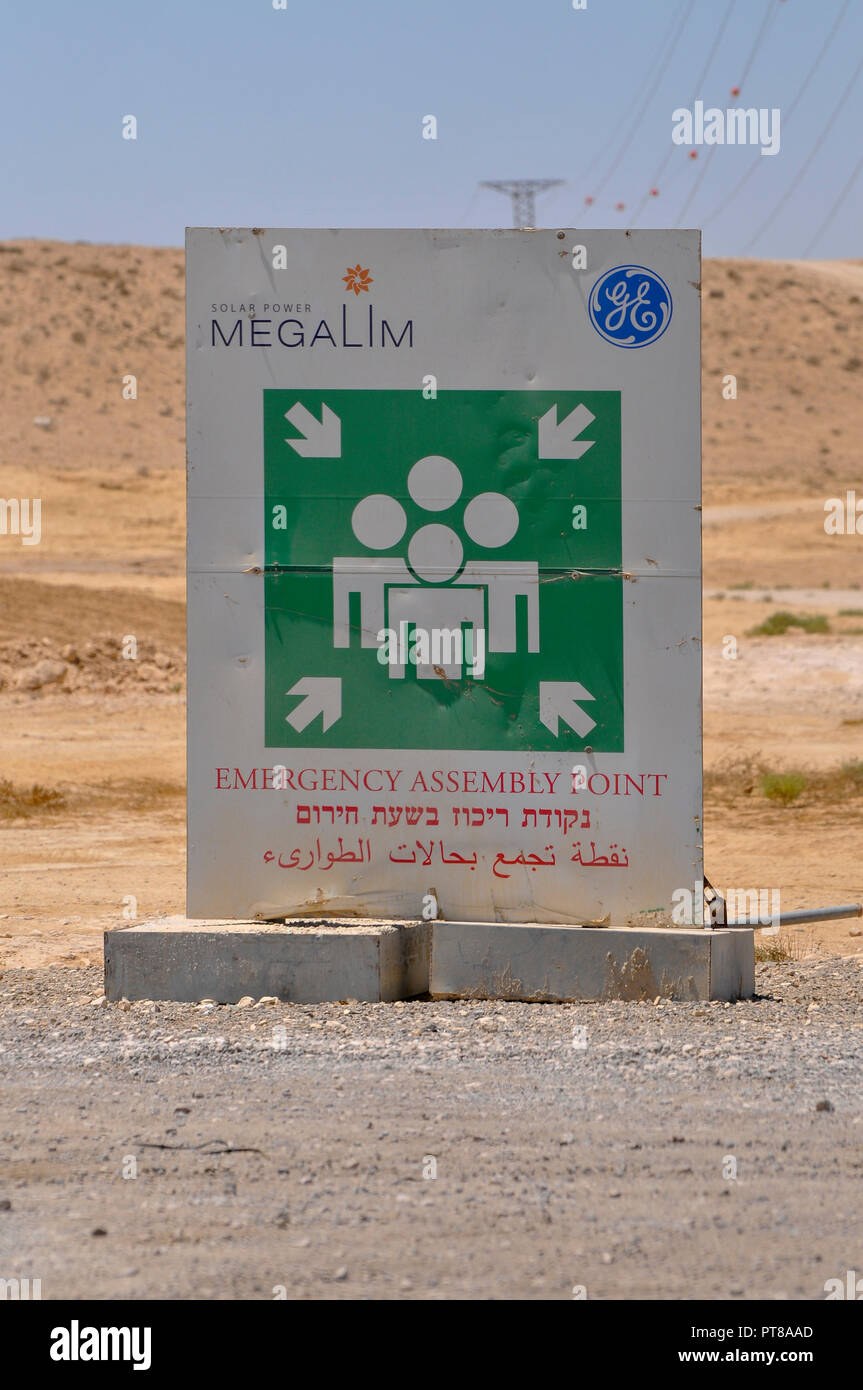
108	734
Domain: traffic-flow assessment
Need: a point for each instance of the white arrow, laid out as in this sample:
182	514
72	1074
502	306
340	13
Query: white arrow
557	701
558	441
323	696
323	437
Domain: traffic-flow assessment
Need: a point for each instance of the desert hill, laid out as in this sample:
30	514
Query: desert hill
76	319
102	737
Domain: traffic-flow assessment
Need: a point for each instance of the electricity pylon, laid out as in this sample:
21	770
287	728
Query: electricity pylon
523	194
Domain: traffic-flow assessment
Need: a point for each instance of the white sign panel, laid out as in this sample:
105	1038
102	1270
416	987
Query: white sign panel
444	573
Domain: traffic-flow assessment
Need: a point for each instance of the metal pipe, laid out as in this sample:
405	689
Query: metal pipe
805	914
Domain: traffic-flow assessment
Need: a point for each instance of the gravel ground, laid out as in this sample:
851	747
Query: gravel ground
432	1150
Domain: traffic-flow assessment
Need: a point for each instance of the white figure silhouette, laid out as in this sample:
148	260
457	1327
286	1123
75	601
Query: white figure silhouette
369	579
483	594
436	611
505	581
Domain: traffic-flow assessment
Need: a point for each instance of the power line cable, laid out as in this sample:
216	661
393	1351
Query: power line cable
835	208
757	162
769	13
645	86
813	152
634	128
697	87
469	209
688	5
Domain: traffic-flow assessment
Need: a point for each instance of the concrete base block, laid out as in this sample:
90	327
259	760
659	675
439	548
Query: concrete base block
306	962
312	961
552	964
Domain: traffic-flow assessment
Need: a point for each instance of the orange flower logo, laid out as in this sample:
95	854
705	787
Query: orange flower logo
357	279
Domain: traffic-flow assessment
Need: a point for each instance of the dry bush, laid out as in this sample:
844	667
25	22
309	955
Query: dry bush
28	801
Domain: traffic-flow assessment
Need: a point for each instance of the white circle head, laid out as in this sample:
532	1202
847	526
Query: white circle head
491	519
379	521
434	483
435	553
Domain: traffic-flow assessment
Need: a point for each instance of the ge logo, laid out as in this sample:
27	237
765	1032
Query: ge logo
630	306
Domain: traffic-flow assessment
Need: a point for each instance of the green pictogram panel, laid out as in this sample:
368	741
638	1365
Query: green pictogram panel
443	573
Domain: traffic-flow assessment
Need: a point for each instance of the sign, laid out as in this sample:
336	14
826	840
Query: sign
434	521
444	574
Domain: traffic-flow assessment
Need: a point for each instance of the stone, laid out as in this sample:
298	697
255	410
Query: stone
43	673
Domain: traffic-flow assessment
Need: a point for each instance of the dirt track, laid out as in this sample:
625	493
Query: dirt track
608	1165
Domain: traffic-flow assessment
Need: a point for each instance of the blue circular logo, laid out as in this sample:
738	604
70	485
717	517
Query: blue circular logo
630	306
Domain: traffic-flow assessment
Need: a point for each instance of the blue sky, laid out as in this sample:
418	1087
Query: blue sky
312	116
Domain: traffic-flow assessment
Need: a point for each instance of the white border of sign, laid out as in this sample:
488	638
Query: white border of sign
490	310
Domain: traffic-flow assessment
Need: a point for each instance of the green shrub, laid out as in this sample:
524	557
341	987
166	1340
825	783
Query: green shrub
779	623
853	772
784	787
